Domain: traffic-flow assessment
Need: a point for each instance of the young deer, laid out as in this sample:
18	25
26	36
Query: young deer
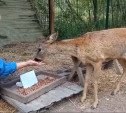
92	49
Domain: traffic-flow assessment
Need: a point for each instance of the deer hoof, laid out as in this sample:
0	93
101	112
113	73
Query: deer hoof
113	93
94	106
83	99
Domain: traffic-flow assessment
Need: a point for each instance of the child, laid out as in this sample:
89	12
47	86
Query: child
7	68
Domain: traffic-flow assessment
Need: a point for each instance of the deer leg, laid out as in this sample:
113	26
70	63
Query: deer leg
97	70
123	64
89	69
76	65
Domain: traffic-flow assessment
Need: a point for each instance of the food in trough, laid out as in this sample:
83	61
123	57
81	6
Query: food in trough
41	82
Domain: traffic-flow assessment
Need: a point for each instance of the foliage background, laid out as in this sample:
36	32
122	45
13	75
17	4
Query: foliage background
75	17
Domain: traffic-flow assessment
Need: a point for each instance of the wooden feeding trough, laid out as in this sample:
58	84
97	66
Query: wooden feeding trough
13	91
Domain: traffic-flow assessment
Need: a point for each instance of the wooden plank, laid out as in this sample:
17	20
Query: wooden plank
118	67
81	76
47	88
64	74
47	73
77	69
57	94
73	86
74	70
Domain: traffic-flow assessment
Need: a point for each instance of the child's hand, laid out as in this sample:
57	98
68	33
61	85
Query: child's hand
34	63
28	63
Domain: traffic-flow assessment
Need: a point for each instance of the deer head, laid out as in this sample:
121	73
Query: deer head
44	51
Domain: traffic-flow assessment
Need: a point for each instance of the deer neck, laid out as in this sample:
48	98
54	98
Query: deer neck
66	48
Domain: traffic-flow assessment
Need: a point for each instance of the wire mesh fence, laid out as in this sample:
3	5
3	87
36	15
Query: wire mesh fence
42	12
75	17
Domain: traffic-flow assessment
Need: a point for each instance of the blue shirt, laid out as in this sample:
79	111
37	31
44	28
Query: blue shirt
7	68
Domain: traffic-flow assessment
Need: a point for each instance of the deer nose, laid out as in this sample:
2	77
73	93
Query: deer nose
39	49
38	56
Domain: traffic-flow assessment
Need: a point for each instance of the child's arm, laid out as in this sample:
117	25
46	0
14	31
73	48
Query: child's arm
7	68
28	63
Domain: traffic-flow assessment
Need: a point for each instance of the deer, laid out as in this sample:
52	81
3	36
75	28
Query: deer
91	49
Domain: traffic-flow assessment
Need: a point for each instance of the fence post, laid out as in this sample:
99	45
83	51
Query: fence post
107	14
51	16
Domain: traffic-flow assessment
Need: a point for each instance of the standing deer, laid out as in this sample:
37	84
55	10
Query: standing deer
92	49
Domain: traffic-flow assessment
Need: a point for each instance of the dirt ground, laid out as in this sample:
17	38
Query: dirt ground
107	82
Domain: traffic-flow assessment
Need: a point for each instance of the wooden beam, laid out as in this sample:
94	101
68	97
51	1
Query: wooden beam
80	76
51	16
107	14
74	70
118	67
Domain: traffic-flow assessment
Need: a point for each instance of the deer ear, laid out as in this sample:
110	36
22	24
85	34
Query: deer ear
52	38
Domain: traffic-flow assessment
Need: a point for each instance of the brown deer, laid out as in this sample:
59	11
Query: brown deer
92	49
